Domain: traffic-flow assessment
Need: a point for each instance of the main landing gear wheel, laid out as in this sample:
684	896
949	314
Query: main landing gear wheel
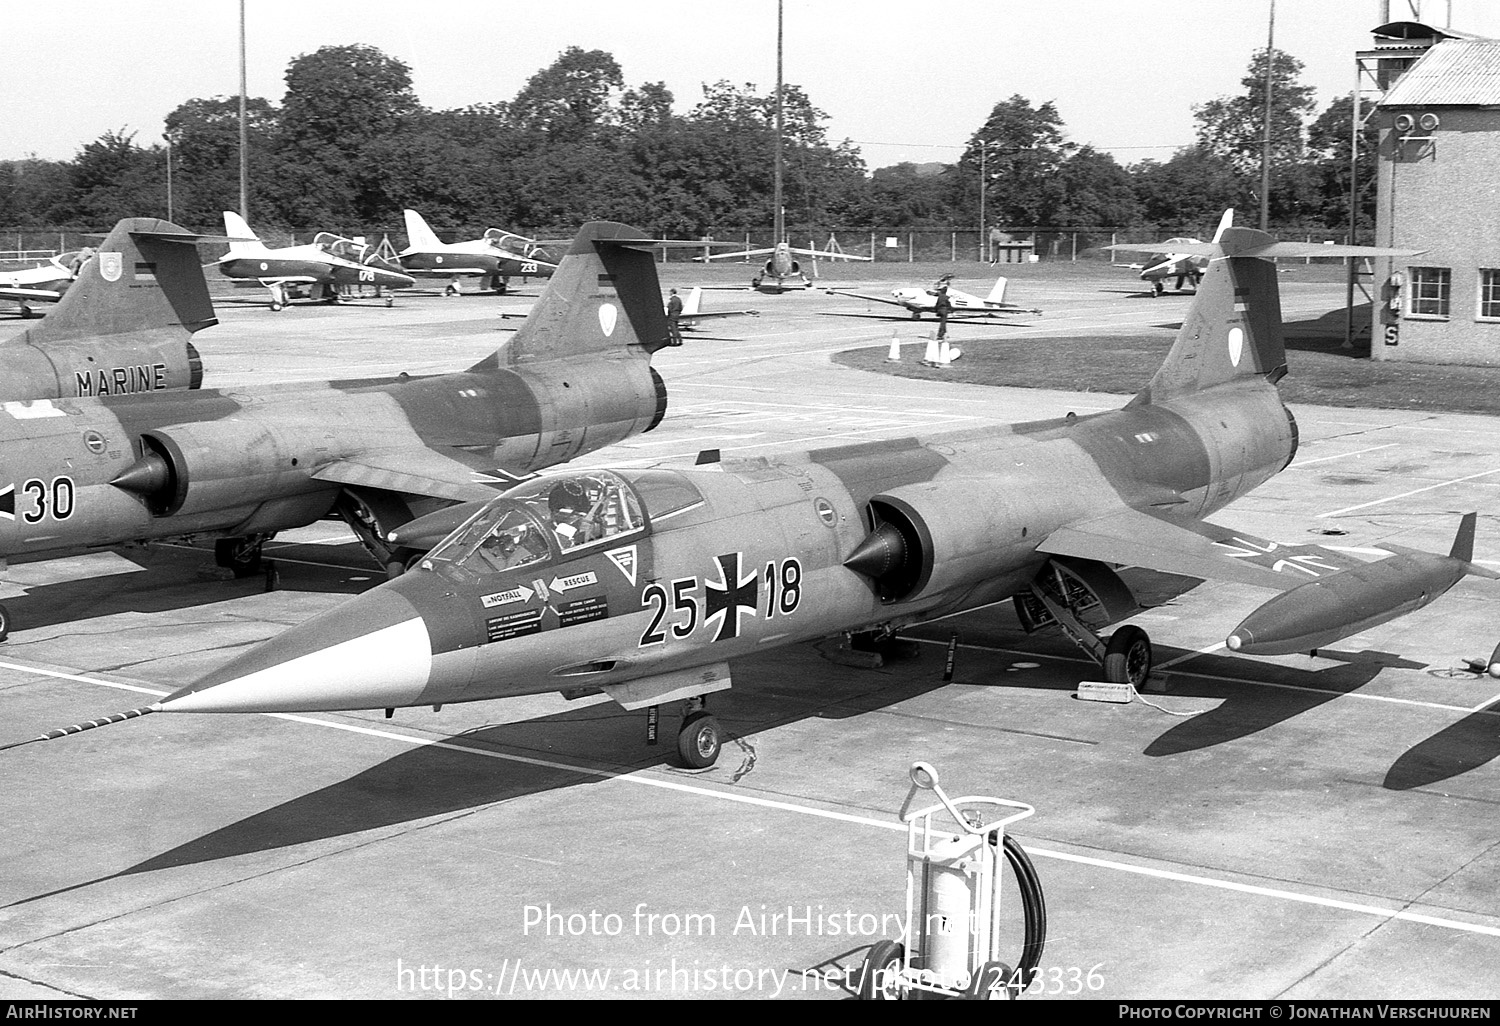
699	741
1157	288
1127	657
276	306
4	622
451	290
880	976
242	555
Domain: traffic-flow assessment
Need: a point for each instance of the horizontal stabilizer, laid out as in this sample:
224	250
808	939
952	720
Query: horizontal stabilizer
1248	242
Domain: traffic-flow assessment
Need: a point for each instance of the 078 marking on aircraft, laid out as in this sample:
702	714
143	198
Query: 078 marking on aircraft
725	599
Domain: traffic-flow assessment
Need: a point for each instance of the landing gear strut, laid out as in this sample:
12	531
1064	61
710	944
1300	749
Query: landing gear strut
242	555
1064	593
699	739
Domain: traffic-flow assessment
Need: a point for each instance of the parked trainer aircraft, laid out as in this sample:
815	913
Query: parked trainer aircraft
241	465
644	584
919	301
44	283
1182	265
124	326
320	271
496	257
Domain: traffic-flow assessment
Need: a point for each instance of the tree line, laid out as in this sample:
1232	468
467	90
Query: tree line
350	145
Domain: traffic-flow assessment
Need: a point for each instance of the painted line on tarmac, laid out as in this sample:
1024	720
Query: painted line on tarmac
1414	491
1342	455
638	777
1216	646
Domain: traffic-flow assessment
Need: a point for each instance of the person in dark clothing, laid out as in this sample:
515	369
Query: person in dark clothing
674	312
942	308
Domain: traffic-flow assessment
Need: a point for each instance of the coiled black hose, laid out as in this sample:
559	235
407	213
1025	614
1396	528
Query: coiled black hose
1033	905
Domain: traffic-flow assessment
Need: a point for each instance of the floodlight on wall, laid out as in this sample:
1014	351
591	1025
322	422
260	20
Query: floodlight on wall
1428	122
1405	122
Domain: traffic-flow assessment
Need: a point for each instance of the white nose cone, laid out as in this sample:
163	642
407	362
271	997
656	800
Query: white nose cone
388	667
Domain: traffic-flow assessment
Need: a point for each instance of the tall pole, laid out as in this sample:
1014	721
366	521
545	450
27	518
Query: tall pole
776	197
169	179
1265	144
984	148
244	133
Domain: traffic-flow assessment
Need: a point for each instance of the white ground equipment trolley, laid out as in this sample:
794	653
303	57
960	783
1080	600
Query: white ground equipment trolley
953	902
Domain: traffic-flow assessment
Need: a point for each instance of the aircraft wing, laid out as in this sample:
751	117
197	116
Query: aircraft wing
867	296
1197	549
829	255
741	253
290	279
442	472
30	295
694	318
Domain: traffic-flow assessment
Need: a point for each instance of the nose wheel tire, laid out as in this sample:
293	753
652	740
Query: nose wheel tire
1127	657
880	976
699	741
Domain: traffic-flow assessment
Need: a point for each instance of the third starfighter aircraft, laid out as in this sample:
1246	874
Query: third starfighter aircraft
644	584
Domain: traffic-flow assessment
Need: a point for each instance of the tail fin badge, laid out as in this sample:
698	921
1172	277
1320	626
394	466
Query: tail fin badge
111	266
608	315
1236	345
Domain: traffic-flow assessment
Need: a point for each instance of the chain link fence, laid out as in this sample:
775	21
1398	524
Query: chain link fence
28	246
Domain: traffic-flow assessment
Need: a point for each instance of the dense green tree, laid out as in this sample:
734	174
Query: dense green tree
113	178
571	99
1095	191
1232	127
1193	188
1328	141
205	138
1020	151
31	189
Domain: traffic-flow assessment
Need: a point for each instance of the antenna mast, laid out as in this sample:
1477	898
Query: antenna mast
780	216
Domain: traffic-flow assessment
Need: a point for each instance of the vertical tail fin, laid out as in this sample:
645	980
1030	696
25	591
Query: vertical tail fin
419	236
604	296
1227	221
1463	541
236	228
1233	328
694	302
146	275
997	294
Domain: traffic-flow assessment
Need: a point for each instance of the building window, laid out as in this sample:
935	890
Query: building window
1430	291
1489	294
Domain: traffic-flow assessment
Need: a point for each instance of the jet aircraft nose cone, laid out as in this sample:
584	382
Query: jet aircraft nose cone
371	652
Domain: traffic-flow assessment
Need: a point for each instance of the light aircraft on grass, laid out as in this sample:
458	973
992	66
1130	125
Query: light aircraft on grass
240	465
645	584
320	271
919	301
496	257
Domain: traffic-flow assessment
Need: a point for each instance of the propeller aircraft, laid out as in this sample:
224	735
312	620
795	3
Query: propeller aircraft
919	301
320	271
44	283
496	257
102	470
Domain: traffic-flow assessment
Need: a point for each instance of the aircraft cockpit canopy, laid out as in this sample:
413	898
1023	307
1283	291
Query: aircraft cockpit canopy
553	516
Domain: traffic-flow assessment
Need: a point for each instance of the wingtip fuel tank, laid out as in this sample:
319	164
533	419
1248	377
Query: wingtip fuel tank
1329	608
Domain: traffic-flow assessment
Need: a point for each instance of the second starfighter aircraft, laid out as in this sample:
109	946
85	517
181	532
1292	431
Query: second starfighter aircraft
644	584
240	465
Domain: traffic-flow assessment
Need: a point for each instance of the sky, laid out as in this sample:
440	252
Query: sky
903	81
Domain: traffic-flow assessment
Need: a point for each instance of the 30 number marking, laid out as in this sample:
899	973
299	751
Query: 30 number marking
56	499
